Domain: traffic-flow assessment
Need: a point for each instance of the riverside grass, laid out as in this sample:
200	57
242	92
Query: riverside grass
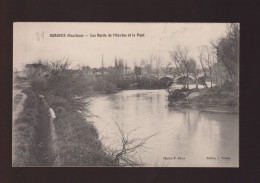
76	142
24	132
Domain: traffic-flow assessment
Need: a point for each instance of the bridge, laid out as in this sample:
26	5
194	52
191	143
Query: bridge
179	79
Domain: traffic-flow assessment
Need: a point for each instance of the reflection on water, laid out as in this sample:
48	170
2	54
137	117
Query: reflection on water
196	138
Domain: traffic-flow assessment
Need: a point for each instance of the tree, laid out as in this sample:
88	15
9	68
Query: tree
201	59
158	65
148	68
221	76
126	151
166	68
119	70
195	71
209	56
181	60
59	66
228	52
138	71
66	82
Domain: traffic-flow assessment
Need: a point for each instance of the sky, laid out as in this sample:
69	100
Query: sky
32	41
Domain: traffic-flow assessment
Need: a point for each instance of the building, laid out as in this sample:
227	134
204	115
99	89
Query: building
37	70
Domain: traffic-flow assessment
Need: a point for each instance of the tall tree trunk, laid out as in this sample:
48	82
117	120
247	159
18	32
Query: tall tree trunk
205	81
197	84
210	80
210	73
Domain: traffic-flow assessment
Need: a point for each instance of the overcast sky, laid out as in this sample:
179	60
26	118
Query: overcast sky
159	39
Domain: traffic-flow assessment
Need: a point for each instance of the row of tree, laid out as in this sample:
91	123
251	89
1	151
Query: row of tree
216	59
217	62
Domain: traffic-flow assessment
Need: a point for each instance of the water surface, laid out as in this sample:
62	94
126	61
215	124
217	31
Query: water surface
182	138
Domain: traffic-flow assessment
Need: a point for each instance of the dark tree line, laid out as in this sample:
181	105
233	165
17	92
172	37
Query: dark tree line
228	52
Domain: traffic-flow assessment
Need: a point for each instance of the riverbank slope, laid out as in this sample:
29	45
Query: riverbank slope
207	99
76	140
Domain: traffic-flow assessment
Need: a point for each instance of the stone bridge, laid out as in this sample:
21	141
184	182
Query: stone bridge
178	79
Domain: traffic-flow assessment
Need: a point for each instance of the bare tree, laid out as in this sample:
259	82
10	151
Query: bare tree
158	65
59	66
195	71
126	152
203	65
181	60
126	68
210	58
119	69
148	68
166	68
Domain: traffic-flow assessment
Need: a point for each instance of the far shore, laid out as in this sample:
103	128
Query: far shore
205	100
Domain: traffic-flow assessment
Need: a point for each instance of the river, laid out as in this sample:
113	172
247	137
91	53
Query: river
181	138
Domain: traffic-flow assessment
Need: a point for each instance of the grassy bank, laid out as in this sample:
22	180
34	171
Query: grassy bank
24	131
207	99
76	142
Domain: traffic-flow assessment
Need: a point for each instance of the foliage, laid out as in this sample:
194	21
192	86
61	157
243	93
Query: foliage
178	94
104	86
39	83
183	63
77	142
228	52
125	152
24	132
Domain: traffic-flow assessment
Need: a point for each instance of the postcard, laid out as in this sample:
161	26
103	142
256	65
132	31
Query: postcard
125	94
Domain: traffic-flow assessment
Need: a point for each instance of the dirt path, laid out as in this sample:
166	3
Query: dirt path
18	105
43	151
18	101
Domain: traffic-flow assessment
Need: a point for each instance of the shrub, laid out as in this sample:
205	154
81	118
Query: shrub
77	142
177	94
24	133
104	86
39	83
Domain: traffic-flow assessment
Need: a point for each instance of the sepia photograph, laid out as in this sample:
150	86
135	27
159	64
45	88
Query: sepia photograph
125	94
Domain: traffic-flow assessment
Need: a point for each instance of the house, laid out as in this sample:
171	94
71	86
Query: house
37	70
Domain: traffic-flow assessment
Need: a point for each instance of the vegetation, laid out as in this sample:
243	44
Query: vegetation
208	99
24	132
125	153
65	91
228	53
77	142
219	62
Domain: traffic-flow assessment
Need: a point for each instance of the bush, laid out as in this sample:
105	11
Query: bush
228	85
178	94
77	142
39	84
104	86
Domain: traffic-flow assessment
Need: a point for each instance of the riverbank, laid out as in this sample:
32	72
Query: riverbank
24	129
76	140
207	99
